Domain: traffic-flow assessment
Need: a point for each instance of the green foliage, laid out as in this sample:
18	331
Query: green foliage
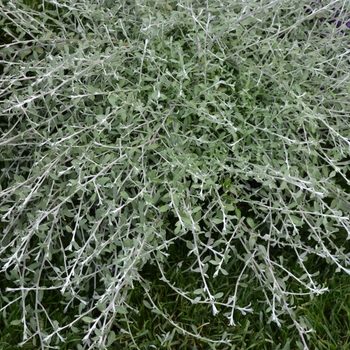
157	154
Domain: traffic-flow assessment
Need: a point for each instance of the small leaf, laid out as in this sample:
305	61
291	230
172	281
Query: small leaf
223	271
101	117
196	300
111	338
153	146
250	222
5	208
87	319
124	195
121	309
218	295
156	311
262	250
296	221
252	241
15	322
230	207
147	304
74	329
103	180
214	262
164	208
112	99
198	291
238	213
187	221
53	176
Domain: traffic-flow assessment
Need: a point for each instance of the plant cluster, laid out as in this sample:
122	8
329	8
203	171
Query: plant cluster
147	143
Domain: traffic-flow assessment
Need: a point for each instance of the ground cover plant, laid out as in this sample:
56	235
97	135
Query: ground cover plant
174	174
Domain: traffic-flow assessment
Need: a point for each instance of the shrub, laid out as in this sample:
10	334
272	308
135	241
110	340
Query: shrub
135	131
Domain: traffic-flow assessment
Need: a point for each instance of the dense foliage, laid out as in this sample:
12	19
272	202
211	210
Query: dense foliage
145	139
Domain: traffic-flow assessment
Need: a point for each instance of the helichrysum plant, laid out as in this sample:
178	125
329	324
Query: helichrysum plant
131	127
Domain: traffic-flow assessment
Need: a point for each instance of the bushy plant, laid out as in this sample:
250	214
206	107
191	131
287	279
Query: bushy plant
133	132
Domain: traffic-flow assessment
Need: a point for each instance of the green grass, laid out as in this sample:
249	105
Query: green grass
328	315
176	145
